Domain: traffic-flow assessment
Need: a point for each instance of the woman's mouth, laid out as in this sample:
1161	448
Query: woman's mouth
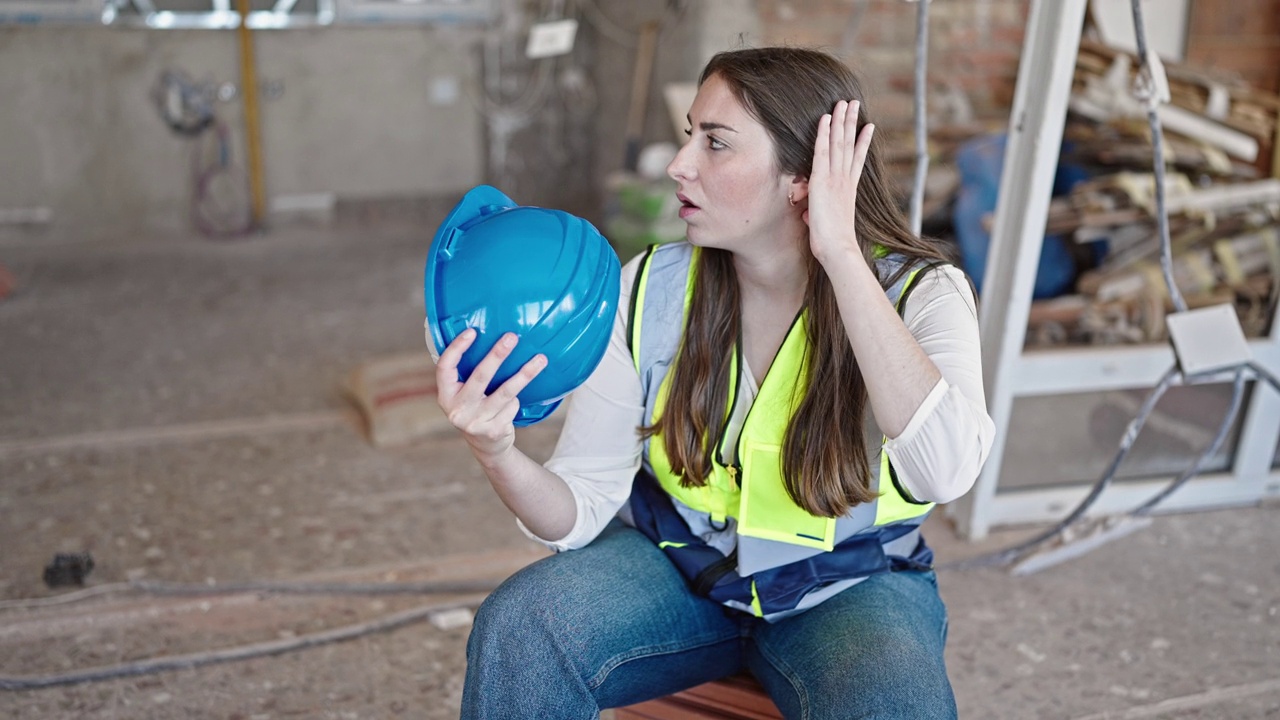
687	207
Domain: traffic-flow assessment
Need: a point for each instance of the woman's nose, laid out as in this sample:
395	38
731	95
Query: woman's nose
679	168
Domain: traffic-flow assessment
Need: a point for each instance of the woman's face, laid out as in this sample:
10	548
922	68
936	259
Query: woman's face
732	195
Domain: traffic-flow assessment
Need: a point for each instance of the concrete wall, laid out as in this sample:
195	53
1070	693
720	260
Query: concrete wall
390	112
363	113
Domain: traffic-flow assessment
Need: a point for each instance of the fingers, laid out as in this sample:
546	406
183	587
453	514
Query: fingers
822	146
508	390
839	142
475	386
470	398
844	135
447	381
860	151
838	122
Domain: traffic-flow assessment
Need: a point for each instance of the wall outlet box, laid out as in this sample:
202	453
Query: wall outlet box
549	39
1208	339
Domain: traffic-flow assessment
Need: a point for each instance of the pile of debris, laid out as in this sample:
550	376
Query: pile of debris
1222	150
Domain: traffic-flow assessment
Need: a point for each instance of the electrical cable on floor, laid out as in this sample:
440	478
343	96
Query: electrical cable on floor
1148	91
1008	555
314	588
65	598
1228	419
242	652
172	589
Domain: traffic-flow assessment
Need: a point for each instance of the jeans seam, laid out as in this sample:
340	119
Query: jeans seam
668	648
785	671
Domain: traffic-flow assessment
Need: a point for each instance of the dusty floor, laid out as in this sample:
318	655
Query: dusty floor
174	407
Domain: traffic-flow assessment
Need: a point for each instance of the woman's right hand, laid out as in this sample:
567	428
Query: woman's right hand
485	420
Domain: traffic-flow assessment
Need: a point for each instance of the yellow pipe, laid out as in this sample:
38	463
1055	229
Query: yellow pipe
252	122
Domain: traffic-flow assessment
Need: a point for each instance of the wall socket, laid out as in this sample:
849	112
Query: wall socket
548	39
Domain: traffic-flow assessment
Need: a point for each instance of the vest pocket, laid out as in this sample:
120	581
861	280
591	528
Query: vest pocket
768	512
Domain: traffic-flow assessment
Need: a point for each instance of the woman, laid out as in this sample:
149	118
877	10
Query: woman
724	429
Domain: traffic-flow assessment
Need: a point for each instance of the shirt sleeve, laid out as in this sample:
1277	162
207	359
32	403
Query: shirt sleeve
599	449
938	455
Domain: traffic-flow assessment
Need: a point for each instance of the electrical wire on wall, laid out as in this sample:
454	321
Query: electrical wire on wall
554	95
1152	89
508	105
220	202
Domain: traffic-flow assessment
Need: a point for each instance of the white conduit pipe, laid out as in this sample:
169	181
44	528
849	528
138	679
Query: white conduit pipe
921	116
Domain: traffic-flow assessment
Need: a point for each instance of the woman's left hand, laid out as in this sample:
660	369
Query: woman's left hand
838	157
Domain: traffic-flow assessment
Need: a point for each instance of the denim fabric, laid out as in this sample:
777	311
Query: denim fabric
614	624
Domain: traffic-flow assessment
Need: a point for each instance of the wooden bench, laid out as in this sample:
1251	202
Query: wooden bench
734	698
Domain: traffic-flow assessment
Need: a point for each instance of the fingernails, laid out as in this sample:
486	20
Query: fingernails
509	340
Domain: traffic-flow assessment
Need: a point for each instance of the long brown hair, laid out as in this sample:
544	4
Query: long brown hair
824	455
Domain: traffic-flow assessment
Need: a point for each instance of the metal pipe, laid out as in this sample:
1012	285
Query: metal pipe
252	119
921	119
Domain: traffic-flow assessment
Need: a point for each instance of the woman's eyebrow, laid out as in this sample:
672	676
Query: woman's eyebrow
710	125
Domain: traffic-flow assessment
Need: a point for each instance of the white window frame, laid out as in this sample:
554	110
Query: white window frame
1035	134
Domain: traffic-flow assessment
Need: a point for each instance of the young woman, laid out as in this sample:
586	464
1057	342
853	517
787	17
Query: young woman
713	493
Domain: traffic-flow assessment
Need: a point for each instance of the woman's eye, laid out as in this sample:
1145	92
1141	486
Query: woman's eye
688	131
714	143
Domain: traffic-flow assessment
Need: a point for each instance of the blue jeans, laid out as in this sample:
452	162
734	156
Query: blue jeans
615	623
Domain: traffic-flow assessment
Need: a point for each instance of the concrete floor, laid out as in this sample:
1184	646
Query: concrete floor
174	406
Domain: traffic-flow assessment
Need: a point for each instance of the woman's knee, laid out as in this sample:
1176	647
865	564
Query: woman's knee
509	615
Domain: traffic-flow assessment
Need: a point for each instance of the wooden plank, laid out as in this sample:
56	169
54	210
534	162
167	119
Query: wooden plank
739	697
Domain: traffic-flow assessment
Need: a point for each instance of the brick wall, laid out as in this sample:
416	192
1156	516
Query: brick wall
974	46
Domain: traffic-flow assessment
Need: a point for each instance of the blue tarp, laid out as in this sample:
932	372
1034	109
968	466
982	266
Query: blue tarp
980	162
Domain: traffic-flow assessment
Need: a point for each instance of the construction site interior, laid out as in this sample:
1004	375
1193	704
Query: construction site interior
214	384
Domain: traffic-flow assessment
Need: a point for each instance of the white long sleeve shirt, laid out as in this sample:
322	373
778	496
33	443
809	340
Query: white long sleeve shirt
937	456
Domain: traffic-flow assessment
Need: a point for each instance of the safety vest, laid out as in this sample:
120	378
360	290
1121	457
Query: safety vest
740	539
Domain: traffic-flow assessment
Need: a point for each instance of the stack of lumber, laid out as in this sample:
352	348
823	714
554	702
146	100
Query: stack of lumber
1223	203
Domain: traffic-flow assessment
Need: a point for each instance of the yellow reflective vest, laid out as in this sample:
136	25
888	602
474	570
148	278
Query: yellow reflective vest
740	539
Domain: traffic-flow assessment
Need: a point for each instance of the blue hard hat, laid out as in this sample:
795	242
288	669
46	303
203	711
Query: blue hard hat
547	276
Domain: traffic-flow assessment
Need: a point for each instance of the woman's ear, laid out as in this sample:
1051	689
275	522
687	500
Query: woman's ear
798	193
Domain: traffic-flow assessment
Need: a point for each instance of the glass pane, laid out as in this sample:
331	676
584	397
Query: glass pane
1070	439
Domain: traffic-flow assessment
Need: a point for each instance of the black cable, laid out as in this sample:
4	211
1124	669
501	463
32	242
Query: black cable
1008	555
242	652
1157	149
1264	374
314	588
1228	420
